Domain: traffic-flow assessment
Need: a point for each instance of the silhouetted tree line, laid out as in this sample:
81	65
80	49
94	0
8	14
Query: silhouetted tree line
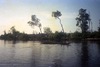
83	22
48	35
14	35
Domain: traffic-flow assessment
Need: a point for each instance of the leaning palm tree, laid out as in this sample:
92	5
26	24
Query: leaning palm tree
35	22
57	14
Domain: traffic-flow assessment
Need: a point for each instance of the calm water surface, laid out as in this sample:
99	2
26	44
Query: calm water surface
35	54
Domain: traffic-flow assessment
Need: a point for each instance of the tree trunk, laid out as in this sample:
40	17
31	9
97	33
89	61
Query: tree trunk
40	30
61	25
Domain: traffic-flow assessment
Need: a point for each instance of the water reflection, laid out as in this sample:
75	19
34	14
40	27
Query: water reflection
84	54
98	44
97	61
57	63
35	54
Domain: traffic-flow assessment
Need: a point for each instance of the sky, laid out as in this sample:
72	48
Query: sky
18	12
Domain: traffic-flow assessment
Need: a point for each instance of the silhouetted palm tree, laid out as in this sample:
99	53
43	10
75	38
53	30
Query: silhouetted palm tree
35	22
57	14
83	20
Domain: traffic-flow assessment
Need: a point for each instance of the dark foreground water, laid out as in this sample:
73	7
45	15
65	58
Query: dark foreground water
34	54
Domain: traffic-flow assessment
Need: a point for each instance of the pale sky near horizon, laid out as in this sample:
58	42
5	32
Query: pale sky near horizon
18	12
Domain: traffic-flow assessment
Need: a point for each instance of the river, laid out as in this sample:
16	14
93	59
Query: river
35	54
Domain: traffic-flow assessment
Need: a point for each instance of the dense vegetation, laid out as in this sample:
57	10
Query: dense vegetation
49	36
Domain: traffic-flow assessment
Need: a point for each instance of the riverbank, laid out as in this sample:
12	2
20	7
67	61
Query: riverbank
93	39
